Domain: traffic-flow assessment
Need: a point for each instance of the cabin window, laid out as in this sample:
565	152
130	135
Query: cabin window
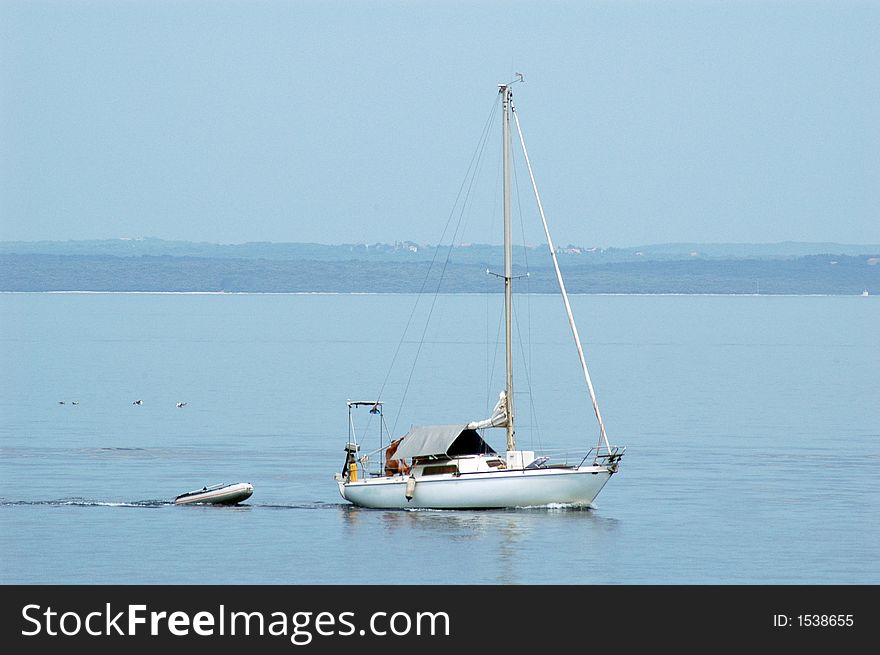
438	470
496	464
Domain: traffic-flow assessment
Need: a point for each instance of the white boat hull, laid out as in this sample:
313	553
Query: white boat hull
230	494
497	489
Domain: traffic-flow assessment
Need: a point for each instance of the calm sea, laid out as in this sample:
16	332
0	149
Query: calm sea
752	427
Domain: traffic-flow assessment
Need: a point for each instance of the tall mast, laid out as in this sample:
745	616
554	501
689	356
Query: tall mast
508	266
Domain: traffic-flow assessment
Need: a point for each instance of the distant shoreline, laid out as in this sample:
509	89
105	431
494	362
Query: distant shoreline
462	271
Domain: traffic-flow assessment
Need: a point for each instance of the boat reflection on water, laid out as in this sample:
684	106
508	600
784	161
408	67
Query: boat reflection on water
498	546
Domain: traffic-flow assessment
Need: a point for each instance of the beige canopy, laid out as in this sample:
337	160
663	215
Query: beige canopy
441	440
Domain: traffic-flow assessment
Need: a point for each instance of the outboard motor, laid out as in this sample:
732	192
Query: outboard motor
350	468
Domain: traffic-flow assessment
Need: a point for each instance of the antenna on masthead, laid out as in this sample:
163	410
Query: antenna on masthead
519	78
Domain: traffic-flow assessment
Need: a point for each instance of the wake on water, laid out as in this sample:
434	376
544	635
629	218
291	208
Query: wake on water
85	502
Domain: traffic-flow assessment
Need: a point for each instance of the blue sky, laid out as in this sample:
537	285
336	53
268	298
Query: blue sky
340	122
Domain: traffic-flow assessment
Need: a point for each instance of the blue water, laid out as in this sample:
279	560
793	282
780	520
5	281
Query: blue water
752	427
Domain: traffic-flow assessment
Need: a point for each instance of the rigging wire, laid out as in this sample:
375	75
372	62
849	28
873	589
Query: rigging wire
465	187
455	233
577	340
536	431
497	342
490	372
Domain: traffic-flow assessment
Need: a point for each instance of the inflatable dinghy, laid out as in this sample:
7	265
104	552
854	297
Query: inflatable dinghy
219	494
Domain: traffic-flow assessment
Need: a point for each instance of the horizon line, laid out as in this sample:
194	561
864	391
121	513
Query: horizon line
430	245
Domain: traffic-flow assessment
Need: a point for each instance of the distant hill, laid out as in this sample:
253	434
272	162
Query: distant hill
780	250
405	267
408	251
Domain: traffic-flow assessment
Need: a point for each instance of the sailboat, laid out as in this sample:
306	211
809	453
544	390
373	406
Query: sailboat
452	466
